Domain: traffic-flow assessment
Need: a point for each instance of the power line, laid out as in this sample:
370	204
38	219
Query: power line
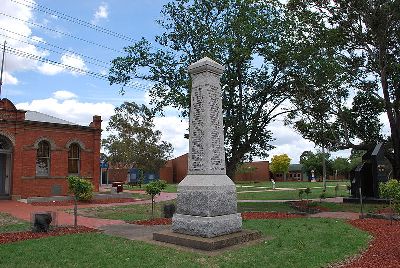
59	32
58	52
20	53
51	45
66	17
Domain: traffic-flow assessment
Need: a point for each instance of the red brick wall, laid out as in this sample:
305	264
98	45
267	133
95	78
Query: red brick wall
24	182
117	174
261	173
180	168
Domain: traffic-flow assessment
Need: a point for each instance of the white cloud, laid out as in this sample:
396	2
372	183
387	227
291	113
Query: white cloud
173	129
66	59
101	13
8	79
64	95
70	109
12	62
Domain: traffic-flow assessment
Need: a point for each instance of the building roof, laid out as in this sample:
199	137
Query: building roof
40	117
295	167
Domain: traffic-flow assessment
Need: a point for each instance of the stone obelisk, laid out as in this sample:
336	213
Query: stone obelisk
206	202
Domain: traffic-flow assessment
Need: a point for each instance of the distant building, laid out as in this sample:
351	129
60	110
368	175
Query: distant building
175	170
295	173
38	152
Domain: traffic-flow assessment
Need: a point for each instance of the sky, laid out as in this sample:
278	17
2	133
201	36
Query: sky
93	33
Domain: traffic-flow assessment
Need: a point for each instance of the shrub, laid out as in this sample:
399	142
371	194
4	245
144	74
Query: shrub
80	187
391	190
322	195
301	192
307	191
336	189
154	188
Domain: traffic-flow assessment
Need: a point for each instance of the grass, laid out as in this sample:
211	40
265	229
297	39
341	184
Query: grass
287	184
171	188
10	224
264	207
296	243
351	207
125	213
259	194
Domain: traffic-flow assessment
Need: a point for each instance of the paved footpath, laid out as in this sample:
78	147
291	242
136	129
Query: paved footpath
24	211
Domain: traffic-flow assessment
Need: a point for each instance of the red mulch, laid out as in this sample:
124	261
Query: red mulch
384	250
94	201
385	211
305	206
20	236
268	215
157	221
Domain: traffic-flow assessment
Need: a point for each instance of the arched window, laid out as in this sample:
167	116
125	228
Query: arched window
73	159
43	159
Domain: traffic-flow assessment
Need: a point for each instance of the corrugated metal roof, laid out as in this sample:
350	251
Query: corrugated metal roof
40	117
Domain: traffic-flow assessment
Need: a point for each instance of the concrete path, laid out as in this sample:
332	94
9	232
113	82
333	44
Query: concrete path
24	211
134	231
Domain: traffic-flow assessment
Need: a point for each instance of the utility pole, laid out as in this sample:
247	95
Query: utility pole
2	66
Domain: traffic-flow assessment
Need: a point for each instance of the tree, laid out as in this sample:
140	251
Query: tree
133	140
368	39
341	165
311	161
154	188
244	36
280	164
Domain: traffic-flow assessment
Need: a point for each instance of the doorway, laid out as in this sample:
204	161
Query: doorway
5	165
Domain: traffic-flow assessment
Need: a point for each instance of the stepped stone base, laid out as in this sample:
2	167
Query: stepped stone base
206	226
207	244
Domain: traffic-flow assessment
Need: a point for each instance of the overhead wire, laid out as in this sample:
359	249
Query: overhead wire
69	18
20	53
54	51
59	32
51	45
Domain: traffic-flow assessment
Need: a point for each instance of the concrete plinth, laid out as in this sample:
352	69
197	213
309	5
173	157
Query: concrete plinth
206	226
208	244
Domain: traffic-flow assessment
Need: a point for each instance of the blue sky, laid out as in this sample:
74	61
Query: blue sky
34	85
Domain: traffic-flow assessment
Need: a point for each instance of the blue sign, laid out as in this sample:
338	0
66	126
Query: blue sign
103	165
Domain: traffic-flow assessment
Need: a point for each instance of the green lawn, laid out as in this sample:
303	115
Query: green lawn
289	195
287	184
299	243
268	207
125	213
350	207
171	188
11	224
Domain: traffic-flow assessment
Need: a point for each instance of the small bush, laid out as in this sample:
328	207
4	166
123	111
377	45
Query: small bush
81	188
391	190
301	192
307	191
322	195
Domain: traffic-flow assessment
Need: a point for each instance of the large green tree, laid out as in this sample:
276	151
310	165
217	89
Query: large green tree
280	164
133	141
366	39
242	35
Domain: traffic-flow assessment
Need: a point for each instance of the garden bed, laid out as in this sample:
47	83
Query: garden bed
269	215
384	250
94	201
307	207
26	235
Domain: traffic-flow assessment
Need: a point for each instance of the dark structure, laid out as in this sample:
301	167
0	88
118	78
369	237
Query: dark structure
41	222
375	168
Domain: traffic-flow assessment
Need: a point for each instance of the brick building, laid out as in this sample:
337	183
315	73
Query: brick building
38	152
175	170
